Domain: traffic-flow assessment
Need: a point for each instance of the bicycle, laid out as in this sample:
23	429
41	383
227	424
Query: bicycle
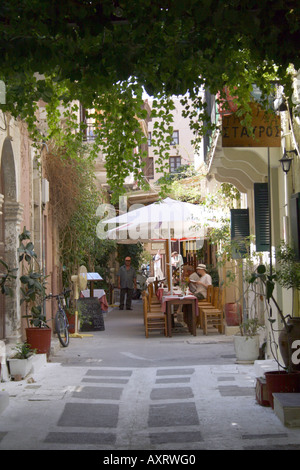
61	320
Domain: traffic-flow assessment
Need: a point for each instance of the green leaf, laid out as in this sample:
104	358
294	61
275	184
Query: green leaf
253	278
261	269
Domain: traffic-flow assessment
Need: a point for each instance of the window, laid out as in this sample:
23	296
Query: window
239	231
262	216
175	138
295	223
149	139
150	168
175	162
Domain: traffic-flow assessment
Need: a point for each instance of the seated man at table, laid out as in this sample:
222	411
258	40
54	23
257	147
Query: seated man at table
199	282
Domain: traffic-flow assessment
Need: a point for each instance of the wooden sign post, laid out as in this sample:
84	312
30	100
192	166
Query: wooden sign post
266	130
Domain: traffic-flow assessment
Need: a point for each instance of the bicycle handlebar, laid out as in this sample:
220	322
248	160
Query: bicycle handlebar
62	294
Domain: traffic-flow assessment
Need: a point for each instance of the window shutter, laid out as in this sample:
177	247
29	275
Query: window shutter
295	223
239	232
262	216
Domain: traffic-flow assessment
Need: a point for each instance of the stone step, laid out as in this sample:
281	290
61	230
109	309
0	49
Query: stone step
263	366
287	408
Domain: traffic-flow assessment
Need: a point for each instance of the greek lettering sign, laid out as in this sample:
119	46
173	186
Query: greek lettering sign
266	130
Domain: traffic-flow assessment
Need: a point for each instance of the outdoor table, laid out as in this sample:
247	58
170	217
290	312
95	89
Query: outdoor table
161	291
100	293
190	310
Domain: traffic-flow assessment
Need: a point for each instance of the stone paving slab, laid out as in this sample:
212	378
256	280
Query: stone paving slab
89	415
171	393
98	393
173	414
215	410
80	438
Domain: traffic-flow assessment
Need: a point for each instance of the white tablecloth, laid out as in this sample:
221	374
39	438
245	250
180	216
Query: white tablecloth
100	293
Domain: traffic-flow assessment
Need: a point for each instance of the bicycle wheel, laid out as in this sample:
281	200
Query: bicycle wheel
61	327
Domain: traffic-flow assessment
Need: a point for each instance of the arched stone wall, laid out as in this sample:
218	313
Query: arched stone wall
12	216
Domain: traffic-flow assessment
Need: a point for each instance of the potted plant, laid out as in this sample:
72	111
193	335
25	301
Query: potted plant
20	363
33	292
288	276
246	343
70	312
287	377
5	277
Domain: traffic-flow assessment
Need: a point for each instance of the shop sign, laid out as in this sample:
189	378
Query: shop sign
266	130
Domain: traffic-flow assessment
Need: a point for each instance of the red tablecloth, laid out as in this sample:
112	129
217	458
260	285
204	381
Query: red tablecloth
103	303
161	292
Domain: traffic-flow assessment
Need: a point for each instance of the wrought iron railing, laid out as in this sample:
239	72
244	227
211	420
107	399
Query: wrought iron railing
89	133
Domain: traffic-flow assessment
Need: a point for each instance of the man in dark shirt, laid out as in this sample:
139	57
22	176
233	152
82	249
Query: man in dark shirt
127	283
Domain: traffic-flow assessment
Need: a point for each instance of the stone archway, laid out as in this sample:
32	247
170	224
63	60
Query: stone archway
10	222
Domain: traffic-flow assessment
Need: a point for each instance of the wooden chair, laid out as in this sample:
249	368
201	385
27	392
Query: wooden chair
212	294
214	316
156	284
209	295
153	300
153	320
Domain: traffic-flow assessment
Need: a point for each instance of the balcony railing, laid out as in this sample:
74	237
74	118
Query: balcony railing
89	134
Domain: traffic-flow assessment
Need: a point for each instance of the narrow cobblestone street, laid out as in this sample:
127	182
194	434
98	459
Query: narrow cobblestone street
117	390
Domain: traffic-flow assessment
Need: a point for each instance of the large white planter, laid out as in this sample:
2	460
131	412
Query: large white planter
20	367
246	348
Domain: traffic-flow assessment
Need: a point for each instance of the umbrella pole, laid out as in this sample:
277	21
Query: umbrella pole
180	274
169	264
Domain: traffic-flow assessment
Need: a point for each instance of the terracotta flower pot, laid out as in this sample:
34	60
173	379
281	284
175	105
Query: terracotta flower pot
282	382
39	339
71	320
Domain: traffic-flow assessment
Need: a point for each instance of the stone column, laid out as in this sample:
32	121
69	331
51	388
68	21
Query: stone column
13	215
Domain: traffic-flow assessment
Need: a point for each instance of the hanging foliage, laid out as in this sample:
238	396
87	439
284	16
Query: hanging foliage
103	54
74	197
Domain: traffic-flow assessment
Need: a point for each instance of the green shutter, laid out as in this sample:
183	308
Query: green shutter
239	232
262	216
295	223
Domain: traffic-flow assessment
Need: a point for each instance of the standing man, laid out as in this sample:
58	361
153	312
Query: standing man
127	283
158	274
199	282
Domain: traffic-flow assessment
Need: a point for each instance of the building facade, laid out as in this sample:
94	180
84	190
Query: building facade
269	210
23	203
181	152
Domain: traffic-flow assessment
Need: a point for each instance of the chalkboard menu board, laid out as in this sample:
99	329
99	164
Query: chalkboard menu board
90	314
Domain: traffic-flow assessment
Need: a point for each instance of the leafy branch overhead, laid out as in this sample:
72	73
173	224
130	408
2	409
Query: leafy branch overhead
166	45
103	54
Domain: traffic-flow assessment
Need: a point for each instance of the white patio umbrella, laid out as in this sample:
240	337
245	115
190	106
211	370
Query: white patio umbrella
166	220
